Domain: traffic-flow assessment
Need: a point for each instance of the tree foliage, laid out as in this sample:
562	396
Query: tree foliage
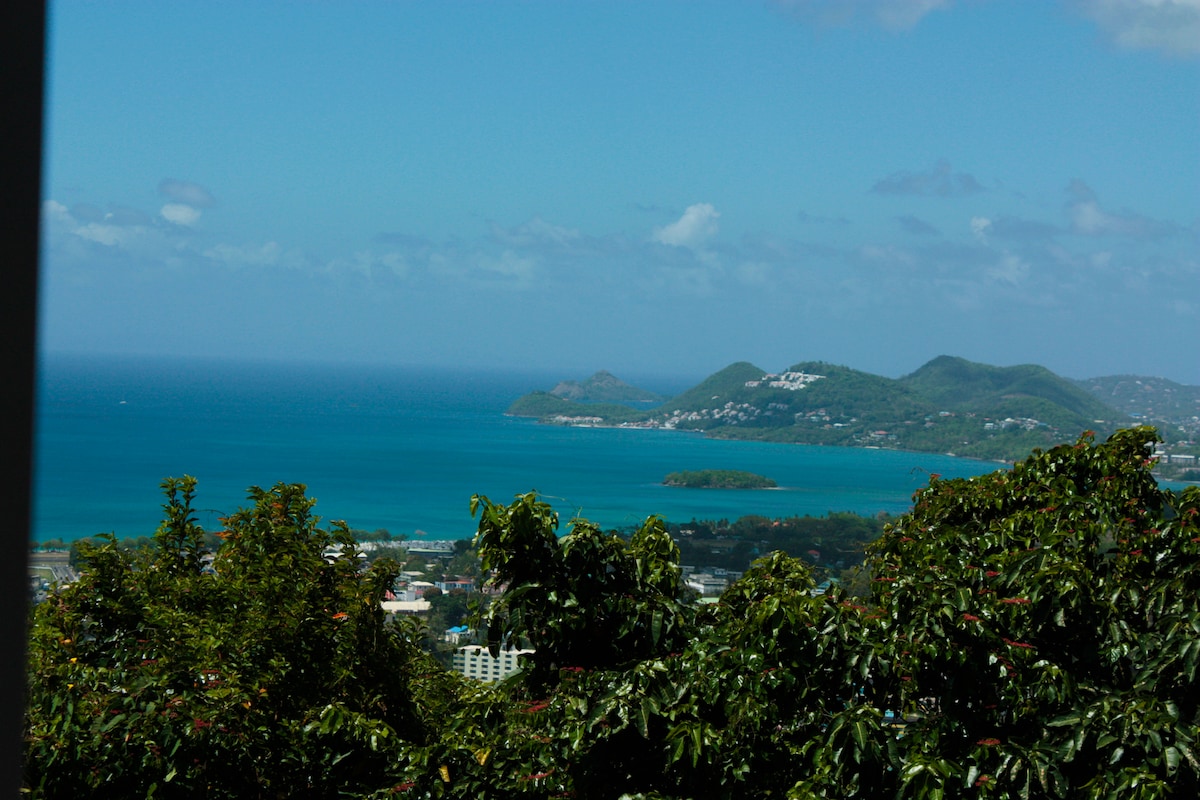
949	405
267	673
631	693
1033	633
718	479
1052	611
590	599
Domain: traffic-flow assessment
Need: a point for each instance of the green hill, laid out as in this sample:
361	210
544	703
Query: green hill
950	405
853	394
1145	397
721	387
604	387
1027	390
550	408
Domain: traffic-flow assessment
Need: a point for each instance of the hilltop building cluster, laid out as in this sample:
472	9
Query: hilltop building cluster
949	405
792	381
729	413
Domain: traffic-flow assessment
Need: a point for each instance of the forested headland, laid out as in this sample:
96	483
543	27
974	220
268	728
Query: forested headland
1026	633
949	405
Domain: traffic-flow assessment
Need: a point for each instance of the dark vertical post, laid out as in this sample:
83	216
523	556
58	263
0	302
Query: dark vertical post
23	68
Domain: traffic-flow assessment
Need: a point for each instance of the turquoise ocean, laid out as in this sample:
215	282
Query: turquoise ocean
399	448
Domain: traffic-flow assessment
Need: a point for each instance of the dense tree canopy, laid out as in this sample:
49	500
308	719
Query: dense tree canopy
718	479
1032	633
267	673
1053	612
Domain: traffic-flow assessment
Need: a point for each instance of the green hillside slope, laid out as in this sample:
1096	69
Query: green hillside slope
604	387
1146	397
950	405
550	408
1026	390
721	387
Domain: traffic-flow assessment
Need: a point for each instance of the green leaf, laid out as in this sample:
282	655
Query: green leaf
1068	719
859	731
1172	757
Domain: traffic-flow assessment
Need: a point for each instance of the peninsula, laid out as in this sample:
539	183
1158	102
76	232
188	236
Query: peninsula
949	405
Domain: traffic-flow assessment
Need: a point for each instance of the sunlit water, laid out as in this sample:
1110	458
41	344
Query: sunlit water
398	448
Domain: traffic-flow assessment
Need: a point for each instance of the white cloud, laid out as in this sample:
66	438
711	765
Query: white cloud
108	235
76	235
940	180
369	265
894	15
889	255
124	216
1090	219
692	280
539	229
754	273
55	215
1009	269
186	192
63	223
1169	26
180	214
980	227
917	226
508	264
395	262
697	225
904	14
248	255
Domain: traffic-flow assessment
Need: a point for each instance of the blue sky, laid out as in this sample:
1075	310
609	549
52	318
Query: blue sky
634	186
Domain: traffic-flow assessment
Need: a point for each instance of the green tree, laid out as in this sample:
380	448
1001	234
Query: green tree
1045	621
269	672
1037	630
632	693
590	599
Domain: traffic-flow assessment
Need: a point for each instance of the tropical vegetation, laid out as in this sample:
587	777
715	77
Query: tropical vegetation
1032	633
267	670
949	405
718	479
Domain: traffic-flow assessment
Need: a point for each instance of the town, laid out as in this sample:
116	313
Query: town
440	584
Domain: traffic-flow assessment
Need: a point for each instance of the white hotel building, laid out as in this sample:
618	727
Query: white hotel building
476	662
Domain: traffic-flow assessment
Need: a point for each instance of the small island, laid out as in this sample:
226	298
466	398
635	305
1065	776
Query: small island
718	479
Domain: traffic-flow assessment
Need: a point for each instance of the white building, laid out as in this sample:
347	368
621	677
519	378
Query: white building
792	381
476	662
706	584
458	634
414	590
406	607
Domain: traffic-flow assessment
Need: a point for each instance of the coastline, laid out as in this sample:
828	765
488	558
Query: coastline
397	450
1000	462
625	426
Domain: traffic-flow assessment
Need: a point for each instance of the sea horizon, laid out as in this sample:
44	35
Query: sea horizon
401	448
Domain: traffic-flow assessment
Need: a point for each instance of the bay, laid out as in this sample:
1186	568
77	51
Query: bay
398	448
